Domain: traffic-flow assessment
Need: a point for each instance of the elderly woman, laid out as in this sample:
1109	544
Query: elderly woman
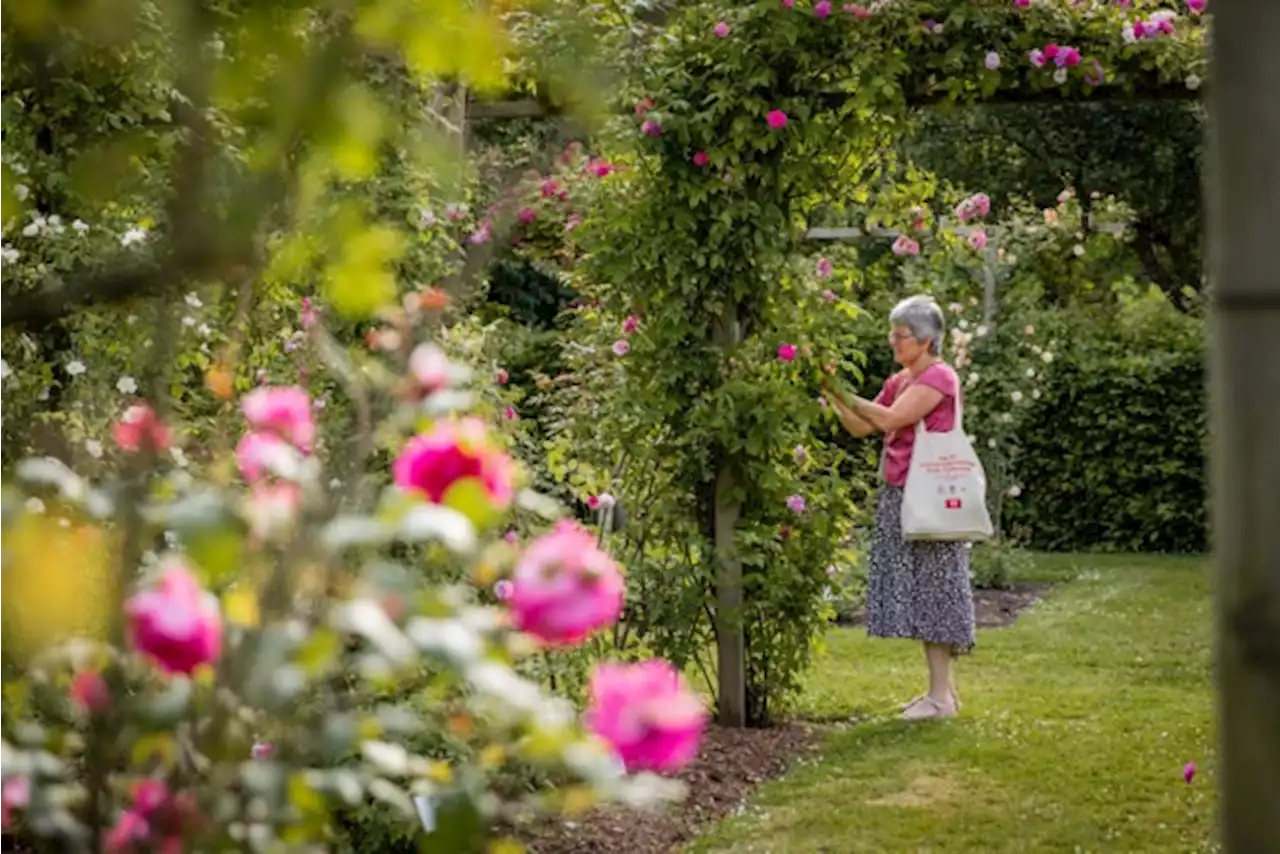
916	589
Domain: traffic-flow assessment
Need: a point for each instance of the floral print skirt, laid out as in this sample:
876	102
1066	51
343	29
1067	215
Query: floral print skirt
917	589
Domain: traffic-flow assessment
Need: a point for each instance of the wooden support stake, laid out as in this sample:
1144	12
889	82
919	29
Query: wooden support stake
731	653
1243	195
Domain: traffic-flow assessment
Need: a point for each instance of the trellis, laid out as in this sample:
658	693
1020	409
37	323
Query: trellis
726	332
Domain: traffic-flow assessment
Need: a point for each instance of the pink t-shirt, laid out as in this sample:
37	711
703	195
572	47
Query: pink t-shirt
898	443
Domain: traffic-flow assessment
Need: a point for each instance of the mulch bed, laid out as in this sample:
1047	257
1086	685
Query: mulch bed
730	763
993	609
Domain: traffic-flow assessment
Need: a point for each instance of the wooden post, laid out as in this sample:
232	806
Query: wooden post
1243	196
731	654
989	260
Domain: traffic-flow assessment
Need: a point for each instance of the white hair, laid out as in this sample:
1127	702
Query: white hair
923	316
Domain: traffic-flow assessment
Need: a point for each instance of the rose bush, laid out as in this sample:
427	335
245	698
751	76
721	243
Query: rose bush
291	641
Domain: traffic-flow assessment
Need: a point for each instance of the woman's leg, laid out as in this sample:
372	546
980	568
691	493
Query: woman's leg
939	657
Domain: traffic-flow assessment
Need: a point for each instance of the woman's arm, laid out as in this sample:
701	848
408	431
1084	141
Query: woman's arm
907	409
855	425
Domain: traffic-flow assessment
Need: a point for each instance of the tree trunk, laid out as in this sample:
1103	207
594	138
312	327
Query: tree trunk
1243	195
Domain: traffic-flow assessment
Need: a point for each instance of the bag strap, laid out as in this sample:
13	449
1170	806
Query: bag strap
957	426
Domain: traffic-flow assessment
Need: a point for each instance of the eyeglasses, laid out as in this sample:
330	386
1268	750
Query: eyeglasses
896	336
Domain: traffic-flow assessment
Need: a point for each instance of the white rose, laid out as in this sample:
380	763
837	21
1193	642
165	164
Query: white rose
127	385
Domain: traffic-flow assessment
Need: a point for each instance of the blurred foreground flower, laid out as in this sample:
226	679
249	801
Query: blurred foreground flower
458	466
647	713
57	583
176	623
139	428
564	587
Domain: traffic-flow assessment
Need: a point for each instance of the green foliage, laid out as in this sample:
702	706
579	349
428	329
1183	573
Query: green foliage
996	565
1114	453
1128	151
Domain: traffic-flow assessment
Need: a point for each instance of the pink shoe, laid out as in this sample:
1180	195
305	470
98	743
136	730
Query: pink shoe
955	700
927	708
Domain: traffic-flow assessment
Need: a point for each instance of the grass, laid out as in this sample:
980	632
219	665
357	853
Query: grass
1077	723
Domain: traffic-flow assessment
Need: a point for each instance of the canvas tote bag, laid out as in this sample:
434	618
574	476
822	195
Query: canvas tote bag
946	493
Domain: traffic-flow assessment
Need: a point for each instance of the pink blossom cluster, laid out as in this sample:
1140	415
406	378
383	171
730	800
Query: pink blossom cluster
1158	24
1062	56
622	346
279	418
563	589
540	195
904	245
140	427
156	822
976	206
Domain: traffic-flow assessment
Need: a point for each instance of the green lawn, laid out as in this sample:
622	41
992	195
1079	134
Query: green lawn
1076	726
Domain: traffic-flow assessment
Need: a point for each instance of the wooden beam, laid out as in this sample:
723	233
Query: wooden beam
532	108
853	233
525	108
1243	196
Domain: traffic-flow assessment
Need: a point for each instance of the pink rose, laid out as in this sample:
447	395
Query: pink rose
904	245
721	29
621	347
549	188
431	463
829	295
788	4
526	215
786	352
822	9
857	10
127	835
429	367
651	127
15	791
701	158
510	413
1036	57
795	503
643	106
647	713
777	119
1188	772
254	452
801	453
284	411
1067	57
1196	7
502	590
978	239
140	427
262	750
272	509
176	624
825	268
90	693
481	235
501	377
631	324
564	587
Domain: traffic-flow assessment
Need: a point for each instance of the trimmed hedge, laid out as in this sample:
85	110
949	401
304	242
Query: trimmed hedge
1113	456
